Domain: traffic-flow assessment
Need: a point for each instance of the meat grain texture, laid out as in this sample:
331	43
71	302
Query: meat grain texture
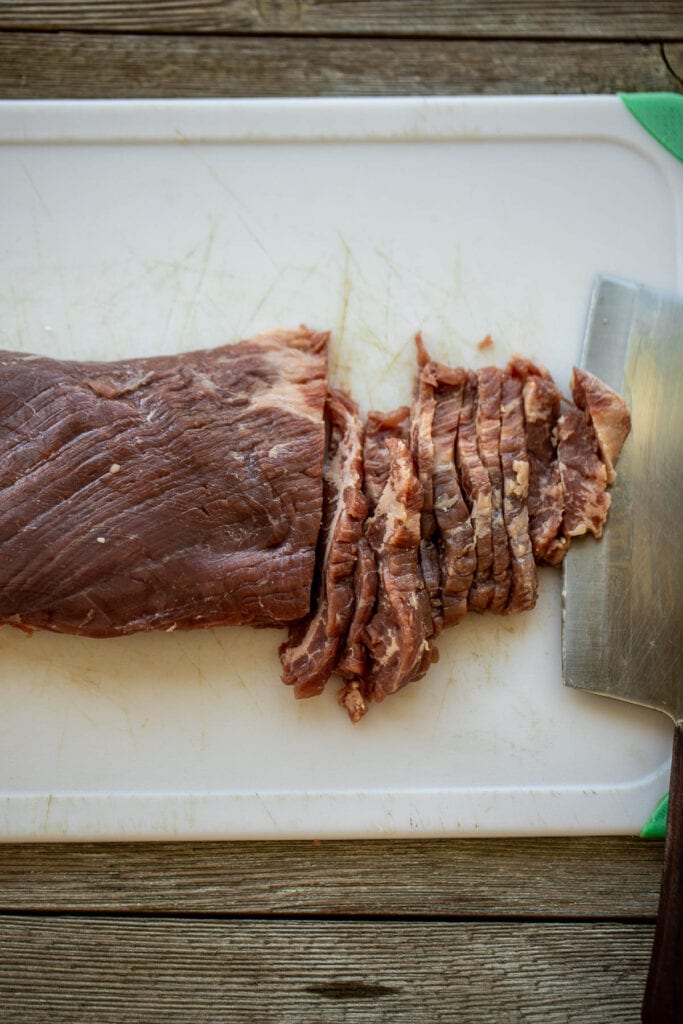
489	394
163	493
457	541
200	490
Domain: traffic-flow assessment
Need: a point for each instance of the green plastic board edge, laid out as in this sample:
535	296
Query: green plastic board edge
655	826
661	114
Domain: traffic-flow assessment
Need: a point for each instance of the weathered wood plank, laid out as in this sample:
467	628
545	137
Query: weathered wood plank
36	64
578	878
292	972
673	55
576	19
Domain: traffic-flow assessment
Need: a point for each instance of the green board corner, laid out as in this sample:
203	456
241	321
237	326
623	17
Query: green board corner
655	826
661	114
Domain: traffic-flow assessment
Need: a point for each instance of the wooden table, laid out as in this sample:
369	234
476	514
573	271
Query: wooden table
548	930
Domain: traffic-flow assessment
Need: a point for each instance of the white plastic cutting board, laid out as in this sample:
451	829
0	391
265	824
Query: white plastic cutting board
136	228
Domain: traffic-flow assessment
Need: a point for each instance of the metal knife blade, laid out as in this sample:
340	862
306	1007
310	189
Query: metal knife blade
622	598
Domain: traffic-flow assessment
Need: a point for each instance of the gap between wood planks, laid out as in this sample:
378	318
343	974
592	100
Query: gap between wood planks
284	917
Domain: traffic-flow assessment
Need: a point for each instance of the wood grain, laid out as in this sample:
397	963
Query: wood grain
673	55
560	878
576	19
293	972
73	65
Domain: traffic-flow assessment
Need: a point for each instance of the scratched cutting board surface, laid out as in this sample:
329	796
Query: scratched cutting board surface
141	228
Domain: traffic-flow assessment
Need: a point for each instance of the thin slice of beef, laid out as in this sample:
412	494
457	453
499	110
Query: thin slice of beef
421	441
398	636
359	664
378	427
309	655
515	465
422	447
172	492
584	475
541	399
457	548
490	384
353	662
431	574
608	414
476	487
429	566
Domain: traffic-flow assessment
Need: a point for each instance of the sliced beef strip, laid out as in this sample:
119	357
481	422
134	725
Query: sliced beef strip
583	473
490	384
398	635
378	427
376	461
457	548
309	655
476	487
515	464
422	447
541	399
172	492
353	662
429	564
365	649
608	414
421	441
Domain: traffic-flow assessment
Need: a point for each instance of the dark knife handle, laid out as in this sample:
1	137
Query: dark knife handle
663	1002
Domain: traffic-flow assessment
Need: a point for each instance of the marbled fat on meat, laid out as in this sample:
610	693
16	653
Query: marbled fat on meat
584	476
608	414
515	465
546	496
162	493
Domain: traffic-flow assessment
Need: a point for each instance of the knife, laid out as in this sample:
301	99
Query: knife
622	599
